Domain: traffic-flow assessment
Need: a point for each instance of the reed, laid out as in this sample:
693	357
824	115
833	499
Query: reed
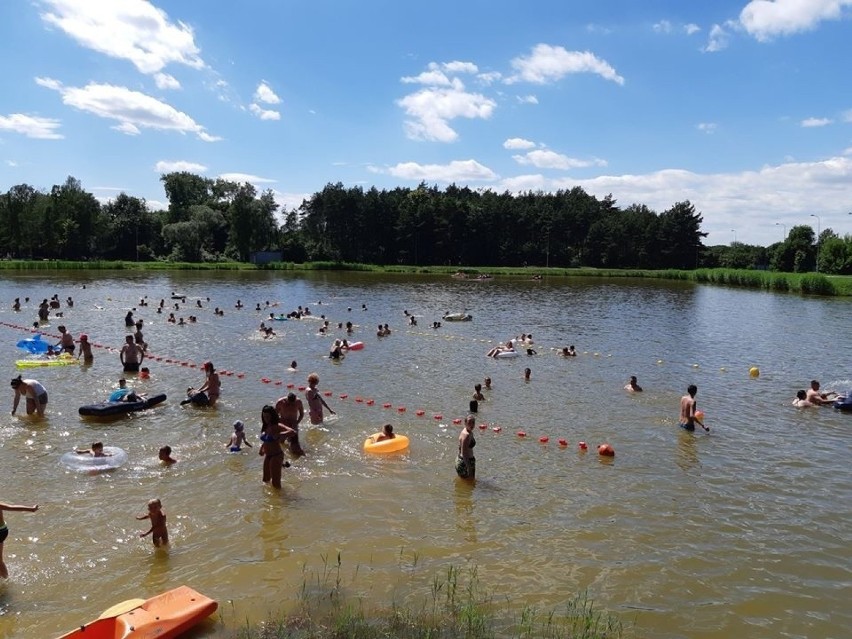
455	605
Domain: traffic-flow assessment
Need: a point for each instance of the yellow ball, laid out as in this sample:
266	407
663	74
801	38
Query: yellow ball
754	371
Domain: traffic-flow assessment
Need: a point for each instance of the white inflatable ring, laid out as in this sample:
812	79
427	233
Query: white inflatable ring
114	457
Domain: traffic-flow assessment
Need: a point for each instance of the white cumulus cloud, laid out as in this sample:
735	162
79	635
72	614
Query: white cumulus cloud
717	40
548	64
527	99
707	127
518	143
31	126
691	28
663	26
265	94
765	19
455	171
816	122
165	81
431	109
131	109
240	178
264	114
167	166
546	159
133	30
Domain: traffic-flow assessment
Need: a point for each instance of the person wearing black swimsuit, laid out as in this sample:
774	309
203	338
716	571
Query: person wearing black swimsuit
466	462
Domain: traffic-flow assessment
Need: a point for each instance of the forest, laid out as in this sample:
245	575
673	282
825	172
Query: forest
214	220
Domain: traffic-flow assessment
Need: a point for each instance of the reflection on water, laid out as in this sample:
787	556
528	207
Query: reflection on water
742	532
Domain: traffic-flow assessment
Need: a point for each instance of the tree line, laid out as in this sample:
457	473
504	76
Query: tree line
217	220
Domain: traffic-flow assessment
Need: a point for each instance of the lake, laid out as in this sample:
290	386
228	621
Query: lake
744	532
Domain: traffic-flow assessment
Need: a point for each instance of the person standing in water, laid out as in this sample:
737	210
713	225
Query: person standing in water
315	401
290	412
688	408
466	462
4	530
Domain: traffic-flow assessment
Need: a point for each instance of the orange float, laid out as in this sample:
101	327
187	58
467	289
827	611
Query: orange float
544	439
521	433
400	409
582	446
420	412
563	442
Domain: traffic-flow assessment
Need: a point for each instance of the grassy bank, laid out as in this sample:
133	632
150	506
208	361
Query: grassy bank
455	605
803	283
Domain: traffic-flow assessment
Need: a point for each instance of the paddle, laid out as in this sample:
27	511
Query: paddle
121	608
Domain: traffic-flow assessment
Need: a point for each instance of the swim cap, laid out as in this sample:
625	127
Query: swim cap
84	337
238	425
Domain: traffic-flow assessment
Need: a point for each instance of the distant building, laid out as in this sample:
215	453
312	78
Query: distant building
265	257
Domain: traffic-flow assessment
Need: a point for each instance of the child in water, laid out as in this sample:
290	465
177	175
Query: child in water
160	535
4	530
387	433
97	450
165	455
315	400
238	438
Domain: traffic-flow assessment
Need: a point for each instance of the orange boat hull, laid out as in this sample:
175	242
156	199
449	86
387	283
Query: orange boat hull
164	616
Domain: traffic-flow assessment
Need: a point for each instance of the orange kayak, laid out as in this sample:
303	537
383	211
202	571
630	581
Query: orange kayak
162	617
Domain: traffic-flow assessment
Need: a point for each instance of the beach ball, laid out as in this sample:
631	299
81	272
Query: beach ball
754	372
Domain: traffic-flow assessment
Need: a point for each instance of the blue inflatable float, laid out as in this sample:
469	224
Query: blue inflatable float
33	345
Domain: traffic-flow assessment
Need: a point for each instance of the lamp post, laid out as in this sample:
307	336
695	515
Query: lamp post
783	226
819	225
734	231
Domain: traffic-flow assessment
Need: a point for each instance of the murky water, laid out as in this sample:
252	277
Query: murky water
745	532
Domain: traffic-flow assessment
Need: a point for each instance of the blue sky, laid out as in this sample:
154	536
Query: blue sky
743	108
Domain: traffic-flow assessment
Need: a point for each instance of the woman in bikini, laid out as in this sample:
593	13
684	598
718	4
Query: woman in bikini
271	434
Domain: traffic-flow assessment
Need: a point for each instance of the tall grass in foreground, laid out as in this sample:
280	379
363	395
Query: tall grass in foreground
456	606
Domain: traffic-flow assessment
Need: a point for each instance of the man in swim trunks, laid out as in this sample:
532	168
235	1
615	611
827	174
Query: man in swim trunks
290	413
688	409
131	355
814	396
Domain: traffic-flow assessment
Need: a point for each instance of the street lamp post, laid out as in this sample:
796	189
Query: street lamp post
734	231
819	225
783	226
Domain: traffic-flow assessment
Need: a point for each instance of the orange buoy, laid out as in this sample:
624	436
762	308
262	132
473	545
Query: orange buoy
563	442
438	416
370	402
327	393
457	420
278	382
241	375
291	385
605	450
302	389
386	405
582	446
420	412
544	439
358	400
343	395
483	426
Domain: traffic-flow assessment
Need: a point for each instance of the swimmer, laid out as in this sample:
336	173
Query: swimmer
158	531
165	455
131	355
801	400
85	349
293	366
387	433
97	450
66	342
477	392
466	462
487	383
688	410
816	397
632	386
568	351
238	437
527	374
315	400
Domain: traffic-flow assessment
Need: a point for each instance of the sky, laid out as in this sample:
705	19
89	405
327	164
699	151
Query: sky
744	108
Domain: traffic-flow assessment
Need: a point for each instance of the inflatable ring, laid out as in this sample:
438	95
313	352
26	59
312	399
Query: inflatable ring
395	444
356	346
114	458
506	354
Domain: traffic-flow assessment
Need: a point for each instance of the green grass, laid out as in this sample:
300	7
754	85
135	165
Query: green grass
452	605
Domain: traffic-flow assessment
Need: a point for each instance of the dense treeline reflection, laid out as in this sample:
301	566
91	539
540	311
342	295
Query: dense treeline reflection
216	220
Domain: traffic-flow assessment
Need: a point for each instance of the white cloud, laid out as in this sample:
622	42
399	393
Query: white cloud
707	127
455	171
131	109
663	26
289	201
546	159
167	166
264	114
816	122
265	94
460	67
548	64
432	109
598	29
691	28
156	205
240	178
11	163
165	81
717	40
133	30
489	77
518	143
32	126
847	115
750	200
765	19
432	77
527	99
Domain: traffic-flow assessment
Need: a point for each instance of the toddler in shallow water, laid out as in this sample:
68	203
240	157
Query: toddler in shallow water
238	438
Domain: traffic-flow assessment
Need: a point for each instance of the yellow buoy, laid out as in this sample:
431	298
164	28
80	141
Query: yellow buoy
695	366
754	371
